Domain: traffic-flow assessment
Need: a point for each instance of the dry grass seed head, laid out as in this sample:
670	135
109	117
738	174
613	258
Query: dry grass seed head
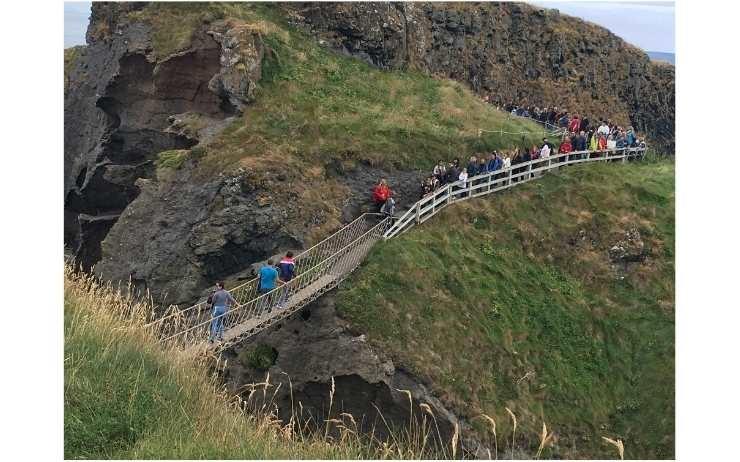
617	444
545	438
455	437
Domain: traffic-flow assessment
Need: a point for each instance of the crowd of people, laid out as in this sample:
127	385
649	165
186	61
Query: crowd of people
603	137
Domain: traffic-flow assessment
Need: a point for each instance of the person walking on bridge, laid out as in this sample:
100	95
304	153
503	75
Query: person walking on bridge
286	272
268	277
221	300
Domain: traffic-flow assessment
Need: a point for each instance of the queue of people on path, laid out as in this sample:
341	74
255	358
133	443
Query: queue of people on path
598	134
269	276
601	138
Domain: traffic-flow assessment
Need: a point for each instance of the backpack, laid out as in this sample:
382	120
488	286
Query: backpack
286	270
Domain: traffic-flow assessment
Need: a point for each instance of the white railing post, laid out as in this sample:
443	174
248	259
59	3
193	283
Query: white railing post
508	181
417	213
449	193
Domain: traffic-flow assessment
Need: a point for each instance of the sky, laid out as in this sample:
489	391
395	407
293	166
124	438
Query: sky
76	17
648	25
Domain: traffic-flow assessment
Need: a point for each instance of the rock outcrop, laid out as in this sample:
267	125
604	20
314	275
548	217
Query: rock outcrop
123	106
511	51
316	347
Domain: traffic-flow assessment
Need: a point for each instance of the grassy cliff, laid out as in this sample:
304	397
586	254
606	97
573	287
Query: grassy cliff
314	106
513	301
127	398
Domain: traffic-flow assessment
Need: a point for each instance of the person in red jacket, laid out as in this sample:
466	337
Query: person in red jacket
575	124
565	146
381	193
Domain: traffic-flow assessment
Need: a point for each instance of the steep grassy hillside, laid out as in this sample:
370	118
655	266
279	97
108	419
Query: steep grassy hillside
513	301
125	398
314	106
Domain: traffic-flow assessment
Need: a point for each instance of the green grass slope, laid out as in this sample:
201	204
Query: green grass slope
511	301
314	106
126	398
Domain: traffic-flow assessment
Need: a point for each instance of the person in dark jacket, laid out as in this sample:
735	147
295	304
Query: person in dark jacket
526	157
286	272
491	162
584	124
453	172
472	167
482	165
516	159
581	142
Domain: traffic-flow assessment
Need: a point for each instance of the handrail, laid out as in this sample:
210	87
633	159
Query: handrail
447	194
250	286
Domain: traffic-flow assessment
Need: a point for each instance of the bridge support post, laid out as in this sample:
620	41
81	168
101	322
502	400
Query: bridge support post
417	213
449	194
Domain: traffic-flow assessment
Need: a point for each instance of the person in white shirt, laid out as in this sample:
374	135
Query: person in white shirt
611	142
545	151
464	178
507	161
603	129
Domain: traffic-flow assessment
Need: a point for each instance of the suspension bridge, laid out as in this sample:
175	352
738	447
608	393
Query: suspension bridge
323	266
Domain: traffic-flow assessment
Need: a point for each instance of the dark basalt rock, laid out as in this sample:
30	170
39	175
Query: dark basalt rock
122	107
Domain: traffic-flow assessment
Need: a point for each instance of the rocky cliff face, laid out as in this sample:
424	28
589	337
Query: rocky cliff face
511	51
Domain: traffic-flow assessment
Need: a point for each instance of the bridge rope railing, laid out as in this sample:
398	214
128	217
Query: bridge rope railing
498	180
282	301
250	289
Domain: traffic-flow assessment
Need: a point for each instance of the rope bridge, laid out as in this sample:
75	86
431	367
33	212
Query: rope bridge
323	266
